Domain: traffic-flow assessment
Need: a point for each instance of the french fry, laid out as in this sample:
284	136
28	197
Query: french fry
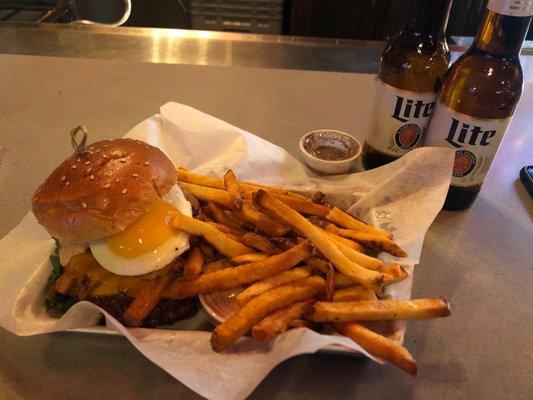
261	221
187	176
259	307
364	260
346	242
195	204
319	264
248	188
245	225
219	240
197	179
279	321
240	275
146	300
235	233
271	282
194	263
369	239
393	273
379	346
216	265
208	251
232	187
222	218
320	240
285	242
342	281
302	205
248	258
208	194
345	220
354	293
330	283
259	242
376	310
321	222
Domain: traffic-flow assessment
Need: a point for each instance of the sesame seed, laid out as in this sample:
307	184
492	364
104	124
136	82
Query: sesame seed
78	159
107	185
104	156
73	167
117	180
89	169
147	163
98	151
91	177
90	152
84	205
124	191
63	178
68	183
135	175
122	160
87	163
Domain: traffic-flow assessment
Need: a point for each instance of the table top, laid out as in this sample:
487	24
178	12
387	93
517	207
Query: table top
479	258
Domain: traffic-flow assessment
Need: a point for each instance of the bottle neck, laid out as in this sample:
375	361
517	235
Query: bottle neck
501	35
430	17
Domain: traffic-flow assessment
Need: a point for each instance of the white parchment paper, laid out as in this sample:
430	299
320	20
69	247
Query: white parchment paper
403	197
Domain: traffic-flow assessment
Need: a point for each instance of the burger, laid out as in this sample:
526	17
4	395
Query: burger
108	208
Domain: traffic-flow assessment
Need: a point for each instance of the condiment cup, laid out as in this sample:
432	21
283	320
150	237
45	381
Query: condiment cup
342	149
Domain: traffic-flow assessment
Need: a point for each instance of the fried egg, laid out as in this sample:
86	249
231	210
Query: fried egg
148	244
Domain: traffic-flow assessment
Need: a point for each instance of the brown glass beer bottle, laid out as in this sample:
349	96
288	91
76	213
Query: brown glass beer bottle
412	66
478	97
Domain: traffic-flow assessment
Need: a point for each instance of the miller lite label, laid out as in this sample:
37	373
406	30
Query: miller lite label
475	141
400	119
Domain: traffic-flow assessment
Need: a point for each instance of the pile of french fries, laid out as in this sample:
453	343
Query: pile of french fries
302	263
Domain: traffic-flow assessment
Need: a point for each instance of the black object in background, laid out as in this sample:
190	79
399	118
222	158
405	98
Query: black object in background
372	19
160	14
526	176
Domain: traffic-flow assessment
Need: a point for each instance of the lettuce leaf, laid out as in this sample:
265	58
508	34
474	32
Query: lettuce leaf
56	302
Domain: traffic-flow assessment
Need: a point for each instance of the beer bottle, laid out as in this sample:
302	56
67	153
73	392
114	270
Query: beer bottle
478	97
412	66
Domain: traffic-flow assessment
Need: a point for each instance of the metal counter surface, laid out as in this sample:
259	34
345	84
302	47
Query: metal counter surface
178	46
480	259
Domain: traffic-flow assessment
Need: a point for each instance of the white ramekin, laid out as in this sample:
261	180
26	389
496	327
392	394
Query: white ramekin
331	167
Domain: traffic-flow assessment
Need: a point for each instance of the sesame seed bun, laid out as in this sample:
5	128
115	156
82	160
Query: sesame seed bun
102	189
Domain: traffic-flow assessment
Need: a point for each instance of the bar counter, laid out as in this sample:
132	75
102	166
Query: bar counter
54	77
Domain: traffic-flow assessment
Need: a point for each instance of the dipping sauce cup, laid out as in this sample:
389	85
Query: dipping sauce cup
330	152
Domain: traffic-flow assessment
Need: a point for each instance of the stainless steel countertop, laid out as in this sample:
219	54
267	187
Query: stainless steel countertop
177	46
480	259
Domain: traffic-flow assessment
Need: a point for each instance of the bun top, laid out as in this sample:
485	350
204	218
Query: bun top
102	189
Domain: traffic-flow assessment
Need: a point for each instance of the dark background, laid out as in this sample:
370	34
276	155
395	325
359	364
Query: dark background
372	19
352	19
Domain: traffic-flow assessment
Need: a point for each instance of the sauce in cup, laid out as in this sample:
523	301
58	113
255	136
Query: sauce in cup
329	151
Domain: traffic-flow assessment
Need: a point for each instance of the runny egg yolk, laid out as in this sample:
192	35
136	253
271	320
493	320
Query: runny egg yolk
146	234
